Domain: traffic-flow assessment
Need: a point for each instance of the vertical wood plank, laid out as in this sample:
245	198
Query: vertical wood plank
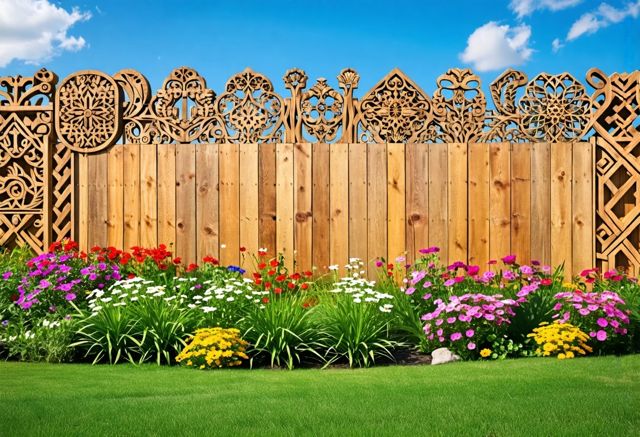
249	213
303	236
83	201
115	231
417	200
186	203
396	205
207	200
98	216
229	165
358	201
131	195
457	202
284	205
561	165
438	195
148	195
583	232
521	201
376	203
541	202
267	197
339	204
479	204
321	207
167	195
500	198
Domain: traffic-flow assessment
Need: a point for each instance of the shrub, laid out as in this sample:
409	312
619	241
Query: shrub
560	339
212	348
47	339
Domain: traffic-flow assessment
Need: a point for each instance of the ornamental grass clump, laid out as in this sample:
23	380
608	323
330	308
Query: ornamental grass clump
212	348
559	339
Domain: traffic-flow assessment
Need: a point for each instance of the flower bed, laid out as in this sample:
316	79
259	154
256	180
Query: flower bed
146	306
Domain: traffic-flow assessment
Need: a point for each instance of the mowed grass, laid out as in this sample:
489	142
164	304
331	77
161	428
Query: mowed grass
588	396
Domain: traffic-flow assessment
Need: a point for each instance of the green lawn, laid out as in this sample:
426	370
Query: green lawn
588	396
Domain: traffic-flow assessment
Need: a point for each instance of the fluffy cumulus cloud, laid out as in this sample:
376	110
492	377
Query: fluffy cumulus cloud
604	16
34	31
522	8
494	46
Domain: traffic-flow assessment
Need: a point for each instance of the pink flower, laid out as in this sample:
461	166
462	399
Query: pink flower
469	333
427	296
456	336
602	322
451	320
449	282
509	259
410	291
379	263
601	335
427	284
432	249
70	296
473	270
584	311
471	346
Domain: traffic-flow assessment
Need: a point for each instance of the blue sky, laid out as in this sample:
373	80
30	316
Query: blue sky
220	38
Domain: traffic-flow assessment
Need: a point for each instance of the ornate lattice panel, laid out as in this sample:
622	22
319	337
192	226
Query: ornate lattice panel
26	119
615	121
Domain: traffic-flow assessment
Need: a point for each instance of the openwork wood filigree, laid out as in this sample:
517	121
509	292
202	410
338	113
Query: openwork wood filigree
459	106
396	110
616	124
26	119
88	111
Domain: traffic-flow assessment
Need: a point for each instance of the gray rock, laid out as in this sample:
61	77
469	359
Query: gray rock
442	356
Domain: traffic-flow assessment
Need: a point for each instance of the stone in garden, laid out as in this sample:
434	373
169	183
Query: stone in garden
442	356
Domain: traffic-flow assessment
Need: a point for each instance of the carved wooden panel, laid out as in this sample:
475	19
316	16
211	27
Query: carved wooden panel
26	118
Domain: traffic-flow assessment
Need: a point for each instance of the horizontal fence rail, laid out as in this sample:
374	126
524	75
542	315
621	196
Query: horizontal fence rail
548	171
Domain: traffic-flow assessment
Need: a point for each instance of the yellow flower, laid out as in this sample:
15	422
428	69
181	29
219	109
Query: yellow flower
561	356
484	353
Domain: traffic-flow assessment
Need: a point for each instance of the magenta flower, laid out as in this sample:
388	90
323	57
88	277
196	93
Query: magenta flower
602	322
7	275
379	263
469	333
449	282
601	335
471	346
427	296
427	251
473	270
509	259
455	336
70	296
410	291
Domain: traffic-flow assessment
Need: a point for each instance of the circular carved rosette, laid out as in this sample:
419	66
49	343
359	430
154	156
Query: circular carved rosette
88	111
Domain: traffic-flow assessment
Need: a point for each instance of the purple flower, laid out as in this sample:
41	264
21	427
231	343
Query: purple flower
432	249
86	270
526	270
410	291
93	277
70	296
5	323
44	283
65	287
427	296
601	335
509	275
470	333
449	282
7	275
602	322
102	266
456	336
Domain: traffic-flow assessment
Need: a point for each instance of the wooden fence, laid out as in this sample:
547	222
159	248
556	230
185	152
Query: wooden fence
321	204
549	172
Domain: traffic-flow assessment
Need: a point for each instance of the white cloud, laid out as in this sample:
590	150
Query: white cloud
556	45
522	8
34	31
602	17
493	46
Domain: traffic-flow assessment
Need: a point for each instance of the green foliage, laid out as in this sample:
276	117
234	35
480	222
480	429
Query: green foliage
46	339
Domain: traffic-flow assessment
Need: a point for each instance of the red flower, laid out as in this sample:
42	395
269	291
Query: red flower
95	249
262	252
191	267
210	260
265	300
258	281
267	285
291	285
54	246
281	278
304	286
177	260
163	266
295	276
308	274
546	282
277	290
274	263
257	275
131	276
261	266
14	297
271	272
243	249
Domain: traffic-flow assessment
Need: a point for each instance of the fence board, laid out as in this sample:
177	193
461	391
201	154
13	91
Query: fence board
521	201
358	201
284	206
479	204
131	195
339	204
396	212
417	200
541	202
321	207
186	247
303	235
267	196
500	198
249	212
115	195
148	196
207	208
229	167
438	195
457	202
561	165
583	256
376	203
167	195
98	202
83	201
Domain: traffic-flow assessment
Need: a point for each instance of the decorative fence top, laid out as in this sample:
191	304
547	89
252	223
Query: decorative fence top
94	110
